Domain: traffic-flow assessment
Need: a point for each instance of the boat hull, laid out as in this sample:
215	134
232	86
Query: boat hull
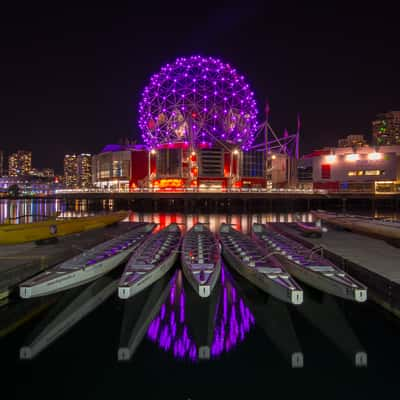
324	283
74	278
54	228
203	290
265	284
333	281
125	292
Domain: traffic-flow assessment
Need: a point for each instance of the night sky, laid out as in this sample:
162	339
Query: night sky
71	76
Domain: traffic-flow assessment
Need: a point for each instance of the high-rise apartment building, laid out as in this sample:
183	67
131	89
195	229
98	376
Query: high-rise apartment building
77	170
352	140
71	170
20	163
386	128
84	170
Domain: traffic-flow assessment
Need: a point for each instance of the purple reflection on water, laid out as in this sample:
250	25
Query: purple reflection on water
233	320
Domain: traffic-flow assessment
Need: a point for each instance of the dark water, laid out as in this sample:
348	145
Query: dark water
239	342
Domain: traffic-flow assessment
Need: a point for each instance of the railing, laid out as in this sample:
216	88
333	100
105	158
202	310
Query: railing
193	190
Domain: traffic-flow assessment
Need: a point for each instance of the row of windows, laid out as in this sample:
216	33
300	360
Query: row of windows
373	172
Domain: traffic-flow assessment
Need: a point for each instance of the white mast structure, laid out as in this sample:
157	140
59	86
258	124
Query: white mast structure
287	145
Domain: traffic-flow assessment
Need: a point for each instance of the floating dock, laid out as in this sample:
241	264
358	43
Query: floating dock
373	262
21	262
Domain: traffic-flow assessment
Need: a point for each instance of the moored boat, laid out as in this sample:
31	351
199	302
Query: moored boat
308	229
152	260
55	227
388	230
308	266
88	265
201	259
259	267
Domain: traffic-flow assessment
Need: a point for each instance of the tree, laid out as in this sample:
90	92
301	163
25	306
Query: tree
13	190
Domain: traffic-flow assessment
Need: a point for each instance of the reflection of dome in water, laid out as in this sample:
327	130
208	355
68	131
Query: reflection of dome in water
233	320
199	99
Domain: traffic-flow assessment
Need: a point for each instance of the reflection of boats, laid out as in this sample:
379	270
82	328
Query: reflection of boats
260	268
54	227
389	230
169	328
152	260
328	318
308	266
274	318
70	310
87	266
225	321
134	326
233	319
201	259
15	314
200	319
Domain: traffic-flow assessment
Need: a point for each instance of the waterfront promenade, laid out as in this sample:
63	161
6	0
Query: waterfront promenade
240	200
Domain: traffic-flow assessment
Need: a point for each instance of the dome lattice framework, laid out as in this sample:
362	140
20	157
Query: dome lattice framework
198	100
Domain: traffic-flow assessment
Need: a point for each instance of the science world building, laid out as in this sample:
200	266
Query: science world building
198	121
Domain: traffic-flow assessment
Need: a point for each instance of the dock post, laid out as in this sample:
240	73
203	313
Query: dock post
344	201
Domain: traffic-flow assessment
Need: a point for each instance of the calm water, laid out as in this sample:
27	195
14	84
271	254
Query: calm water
168	343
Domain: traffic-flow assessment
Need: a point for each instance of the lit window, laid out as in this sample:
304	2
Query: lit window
331	158
373	172
360	173
352	173
374	156
352	157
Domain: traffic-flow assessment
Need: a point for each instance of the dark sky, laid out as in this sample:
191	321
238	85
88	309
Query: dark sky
71	76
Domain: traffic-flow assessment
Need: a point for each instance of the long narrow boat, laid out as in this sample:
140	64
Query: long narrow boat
308	266
308	229
72	309
152	260
55	227
259	267
201	259
359	224
87	266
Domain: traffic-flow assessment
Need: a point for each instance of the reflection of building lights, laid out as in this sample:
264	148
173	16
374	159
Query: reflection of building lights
352	157
331	158
193	153
374	156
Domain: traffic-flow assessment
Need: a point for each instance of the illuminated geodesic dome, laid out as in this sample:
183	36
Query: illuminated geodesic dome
198	100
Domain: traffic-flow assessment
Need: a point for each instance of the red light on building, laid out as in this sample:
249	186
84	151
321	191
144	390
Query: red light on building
325	171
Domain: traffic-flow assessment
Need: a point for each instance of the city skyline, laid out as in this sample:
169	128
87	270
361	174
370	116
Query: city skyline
76	83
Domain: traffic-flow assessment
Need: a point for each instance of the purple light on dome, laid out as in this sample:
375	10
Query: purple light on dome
157	99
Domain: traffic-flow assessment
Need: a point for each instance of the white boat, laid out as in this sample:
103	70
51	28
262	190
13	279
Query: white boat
72	311
152	260
87	266
309	266
201	259
259	267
